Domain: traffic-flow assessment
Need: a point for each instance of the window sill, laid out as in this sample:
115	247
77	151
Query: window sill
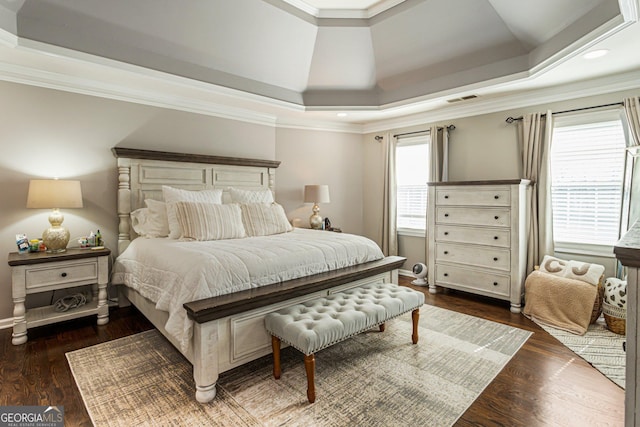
412	232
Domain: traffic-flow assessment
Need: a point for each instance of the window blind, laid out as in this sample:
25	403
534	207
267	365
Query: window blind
586	168
412	175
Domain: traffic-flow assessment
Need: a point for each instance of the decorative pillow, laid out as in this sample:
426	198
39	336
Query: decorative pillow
172	195
250	196
262	219
157	224
138	220
586	272
208	221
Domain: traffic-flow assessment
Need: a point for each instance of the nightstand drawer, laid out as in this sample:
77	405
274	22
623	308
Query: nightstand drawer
81	272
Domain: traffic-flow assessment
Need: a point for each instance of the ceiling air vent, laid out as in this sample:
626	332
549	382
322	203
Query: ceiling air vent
464	98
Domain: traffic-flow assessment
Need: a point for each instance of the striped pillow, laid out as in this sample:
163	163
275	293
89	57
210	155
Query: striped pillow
209	221
261	219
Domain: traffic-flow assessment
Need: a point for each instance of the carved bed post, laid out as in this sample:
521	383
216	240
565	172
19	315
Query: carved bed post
124	204
205	360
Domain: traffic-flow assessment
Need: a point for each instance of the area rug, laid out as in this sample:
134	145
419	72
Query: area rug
373	379
600	347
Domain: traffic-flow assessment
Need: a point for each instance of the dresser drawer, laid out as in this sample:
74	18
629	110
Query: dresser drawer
473	197
480	256
61	273
472	279
499	237
496	217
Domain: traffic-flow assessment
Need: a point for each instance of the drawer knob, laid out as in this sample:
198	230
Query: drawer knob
446	214
496	197
446	233
446	252
446	196
446	274
63	274
495	237
495	258
495	283
496	217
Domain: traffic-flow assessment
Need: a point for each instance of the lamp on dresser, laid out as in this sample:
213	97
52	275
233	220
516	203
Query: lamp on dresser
316	194
54	194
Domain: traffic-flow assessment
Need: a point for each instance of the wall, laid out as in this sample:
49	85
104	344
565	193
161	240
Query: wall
481	147
312	157
48	133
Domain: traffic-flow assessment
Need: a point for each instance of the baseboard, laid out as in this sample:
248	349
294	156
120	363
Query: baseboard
403	272
6	323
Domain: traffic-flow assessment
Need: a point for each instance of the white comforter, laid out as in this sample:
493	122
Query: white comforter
172	272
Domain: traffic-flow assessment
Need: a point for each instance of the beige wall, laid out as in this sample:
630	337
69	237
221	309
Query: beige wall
481	147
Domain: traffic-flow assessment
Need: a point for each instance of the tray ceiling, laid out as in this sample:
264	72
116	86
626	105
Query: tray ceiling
325	54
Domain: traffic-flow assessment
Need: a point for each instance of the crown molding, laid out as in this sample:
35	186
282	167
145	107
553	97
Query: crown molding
478	106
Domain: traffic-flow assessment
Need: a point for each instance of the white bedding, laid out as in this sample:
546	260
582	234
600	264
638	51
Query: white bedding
172	272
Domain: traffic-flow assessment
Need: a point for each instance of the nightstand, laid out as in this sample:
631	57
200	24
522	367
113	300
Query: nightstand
43	272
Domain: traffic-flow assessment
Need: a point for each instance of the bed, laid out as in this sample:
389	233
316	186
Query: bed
218	324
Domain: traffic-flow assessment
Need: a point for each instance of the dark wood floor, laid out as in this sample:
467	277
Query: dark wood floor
545	384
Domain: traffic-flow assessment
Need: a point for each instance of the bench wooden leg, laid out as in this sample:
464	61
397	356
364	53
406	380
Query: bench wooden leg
275	344
415	316
310	367
382	328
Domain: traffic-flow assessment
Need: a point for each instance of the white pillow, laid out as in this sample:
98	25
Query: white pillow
262	219
577	270
208	221
150	221
172	195
250	196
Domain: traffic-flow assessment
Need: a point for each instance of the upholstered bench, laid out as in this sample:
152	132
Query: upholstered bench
322	322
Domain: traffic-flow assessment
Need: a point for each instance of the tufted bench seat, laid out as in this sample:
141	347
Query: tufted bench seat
322	322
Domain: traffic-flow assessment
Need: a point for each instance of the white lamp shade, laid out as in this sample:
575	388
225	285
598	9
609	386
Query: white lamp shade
54	193
316	194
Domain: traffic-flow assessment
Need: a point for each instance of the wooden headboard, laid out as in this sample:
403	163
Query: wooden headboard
142	173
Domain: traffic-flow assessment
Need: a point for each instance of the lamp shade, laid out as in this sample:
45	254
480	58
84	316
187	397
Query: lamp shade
54	193
316	194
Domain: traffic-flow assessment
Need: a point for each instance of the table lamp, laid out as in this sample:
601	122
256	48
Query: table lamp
316	194
54	194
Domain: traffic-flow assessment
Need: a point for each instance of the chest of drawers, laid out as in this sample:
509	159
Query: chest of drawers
477	238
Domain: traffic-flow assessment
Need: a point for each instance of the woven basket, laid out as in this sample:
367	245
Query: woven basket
597	305
615	318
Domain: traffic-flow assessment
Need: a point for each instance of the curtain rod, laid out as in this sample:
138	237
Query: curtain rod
515	119
449	127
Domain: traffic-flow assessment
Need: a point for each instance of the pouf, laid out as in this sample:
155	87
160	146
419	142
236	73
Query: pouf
614	305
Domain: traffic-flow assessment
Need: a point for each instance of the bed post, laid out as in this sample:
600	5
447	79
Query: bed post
205	360
124	203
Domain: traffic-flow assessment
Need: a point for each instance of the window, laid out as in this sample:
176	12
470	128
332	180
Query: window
412	175
587	161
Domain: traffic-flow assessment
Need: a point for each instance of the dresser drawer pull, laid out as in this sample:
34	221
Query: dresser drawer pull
446	196
446	252
496	217
496	197
446	214
446	233
63	274
495	258
495	283
495	237
446	274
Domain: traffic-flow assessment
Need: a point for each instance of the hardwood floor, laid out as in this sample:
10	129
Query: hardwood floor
545	384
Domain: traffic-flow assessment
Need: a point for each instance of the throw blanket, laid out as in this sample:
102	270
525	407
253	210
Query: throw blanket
559	302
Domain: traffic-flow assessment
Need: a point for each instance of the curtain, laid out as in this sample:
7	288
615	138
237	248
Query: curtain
632	113
535	133
439	154
389	225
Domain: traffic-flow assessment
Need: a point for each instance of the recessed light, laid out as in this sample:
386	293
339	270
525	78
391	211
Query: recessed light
342	114
595	54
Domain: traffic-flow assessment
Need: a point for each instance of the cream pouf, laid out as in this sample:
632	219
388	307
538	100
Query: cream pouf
614	305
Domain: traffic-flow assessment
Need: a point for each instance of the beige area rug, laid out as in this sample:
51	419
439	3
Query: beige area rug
600	347
374	379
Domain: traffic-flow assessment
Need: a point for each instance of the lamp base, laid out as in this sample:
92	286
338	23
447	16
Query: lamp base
56	239
316	221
